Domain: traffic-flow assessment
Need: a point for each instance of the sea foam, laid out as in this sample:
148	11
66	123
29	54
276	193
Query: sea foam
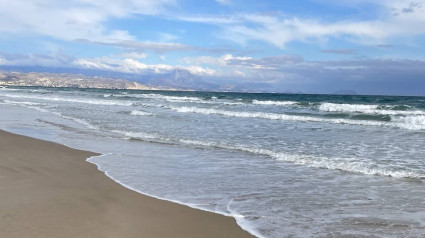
408	122
140	113
277	103
367	109
353	165
67	99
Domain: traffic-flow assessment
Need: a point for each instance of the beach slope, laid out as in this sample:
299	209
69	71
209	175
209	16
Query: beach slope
49	190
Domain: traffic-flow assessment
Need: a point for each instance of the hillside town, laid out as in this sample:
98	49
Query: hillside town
68	80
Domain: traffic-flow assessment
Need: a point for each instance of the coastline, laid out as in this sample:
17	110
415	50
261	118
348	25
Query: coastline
49	190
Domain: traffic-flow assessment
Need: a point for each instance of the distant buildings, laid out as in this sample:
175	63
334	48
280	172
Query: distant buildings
68	80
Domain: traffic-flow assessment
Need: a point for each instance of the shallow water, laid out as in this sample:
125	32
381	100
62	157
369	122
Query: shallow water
283	165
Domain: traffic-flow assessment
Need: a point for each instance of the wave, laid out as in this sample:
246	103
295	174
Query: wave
408	122
31	105
79	121
277	103
65	99
154	96
262	115
23	103
348	108
352	165
140	113
240	219
369	109
411	122
296	104
5	88
175	99
368	117
137	135
345	164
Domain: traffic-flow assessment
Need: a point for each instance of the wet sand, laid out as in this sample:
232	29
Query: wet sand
49	190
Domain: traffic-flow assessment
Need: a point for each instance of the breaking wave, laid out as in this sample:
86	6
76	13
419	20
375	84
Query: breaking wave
32	105
407	122
370	109
140	113
277	103
174	99
352	165
75	100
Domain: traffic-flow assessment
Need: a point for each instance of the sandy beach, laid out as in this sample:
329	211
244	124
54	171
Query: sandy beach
49	190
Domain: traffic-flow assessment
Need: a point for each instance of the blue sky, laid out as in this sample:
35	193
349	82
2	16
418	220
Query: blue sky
370	46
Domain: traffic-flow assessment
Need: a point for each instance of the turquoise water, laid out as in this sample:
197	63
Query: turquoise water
282	164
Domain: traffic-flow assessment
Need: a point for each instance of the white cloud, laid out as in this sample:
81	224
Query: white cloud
279	32
121	65
136	67
223	65
87	19
73	19
399	18
286	72
215	61
382	76
248	67
197	70
146	46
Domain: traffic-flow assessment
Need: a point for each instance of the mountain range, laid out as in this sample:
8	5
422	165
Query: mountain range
177	79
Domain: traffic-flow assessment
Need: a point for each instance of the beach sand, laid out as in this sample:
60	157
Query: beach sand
49	190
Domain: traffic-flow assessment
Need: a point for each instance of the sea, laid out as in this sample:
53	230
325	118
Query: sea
283	165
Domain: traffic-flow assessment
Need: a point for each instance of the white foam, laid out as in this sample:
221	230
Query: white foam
67	99
176	99
79	121
161	97
138	135
140	113
243	222
239	218
23	103
353	165
31	105
414	123
277	103
366	109
4	88
411	122
263	115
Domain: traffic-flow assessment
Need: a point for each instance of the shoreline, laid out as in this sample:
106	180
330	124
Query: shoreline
51	190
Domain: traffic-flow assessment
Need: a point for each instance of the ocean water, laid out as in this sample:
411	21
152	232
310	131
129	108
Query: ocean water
283	165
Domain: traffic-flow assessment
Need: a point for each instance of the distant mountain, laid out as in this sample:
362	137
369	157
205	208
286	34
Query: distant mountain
75	71
176	79
180	79
14	78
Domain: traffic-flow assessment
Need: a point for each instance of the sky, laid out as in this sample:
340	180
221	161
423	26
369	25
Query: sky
314	46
